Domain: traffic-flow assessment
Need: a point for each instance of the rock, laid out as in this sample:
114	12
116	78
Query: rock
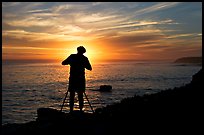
105	88
197	78
49	114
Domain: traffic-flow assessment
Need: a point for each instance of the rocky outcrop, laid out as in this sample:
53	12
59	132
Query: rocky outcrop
105	88
172	110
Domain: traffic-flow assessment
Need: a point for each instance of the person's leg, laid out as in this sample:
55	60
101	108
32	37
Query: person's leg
81	100
71	100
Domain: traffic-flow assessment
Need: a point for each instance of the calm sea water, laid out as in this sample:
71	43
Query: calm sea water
29	86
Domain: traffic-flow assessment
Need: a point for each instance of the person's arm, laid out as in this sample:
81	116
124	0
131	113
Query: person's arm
88	65
67	61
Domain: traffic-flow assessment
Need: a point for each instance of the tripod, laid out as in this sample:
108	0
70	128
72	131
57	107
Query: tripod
85	97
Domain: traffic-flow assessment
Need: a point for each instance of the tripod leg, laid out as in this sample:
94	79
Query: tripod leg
64	101
88	102
71	100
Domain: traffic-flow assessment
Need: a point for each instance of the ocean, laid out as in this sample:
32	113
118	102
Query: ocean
29	86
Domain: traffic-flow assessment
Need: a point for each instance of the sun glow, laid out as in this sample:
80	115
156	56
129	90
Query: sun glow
53	31
92	52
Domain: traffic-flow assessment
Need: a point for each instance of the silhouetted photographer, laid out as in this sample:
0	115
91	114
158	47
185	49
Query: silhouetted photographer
77	82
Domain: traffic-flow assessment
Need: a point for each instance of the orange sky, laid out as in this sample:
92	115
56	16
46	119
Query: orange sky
109	31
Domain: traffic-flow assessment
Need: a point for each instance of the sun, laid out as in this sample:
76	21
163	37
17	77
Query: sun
91	52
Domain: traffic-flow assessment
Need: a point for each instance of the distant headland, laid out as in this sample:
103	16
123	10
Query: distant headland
189	60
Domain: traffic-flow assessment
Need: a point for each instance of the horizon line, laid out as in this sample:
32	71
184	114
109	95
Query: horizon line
106	60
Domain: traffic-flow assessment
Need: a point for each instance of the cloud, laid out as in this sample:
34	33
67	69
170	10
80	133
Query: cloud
95	17
135	24
53	25
30	21
38	10
156	7
135	39
10	4
61	8
180	35
128	27
33	36
29	48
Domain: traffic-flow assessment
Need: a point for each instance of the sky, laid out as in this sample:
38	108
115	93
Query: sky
108	30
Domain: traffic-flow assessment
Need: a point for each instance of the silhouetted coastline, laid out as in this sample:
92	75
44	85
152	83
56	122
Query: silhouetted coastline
175	111
190	60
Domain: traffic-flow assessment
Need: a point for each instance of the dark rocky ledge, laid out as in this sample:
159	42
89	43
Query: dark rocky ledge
172	111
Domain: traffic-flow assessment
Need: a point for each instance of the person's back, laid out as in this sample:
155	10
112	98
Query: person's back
78	63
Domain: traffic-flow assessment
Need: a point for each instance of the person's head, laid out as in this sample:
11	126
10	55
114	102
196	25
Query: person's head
81	50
